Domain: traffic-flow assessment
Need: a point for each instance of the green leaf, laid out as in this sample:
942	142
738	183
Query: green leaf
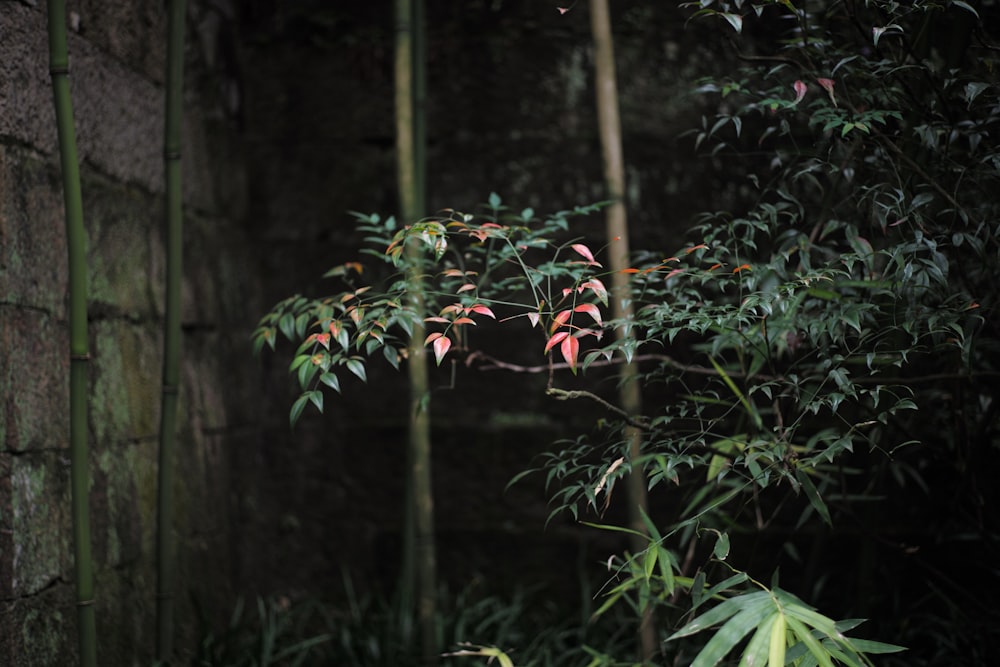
734	20
330	380
287	326
723	611
758	648
721	550
316	397
297	407
813	495
732	632
357	367
818	651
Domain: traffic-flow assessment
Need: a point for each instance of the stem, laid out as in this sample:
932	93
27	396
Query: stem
419	558
630	397
79	345
165	542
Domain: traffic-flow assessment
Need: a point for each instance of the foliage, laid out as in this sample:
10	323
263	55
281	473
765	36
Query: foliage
818	355
370	631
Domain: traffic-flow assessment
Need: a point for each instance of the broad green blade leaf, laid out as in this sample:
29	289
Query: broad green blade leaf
818	651
869	646
731	633
777	642
757	650
814	619
721	612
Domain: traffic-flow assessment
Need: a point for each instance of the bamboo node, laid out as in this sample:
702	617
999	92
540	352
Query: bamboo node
80	357
85	603
57	70
172	155
169	389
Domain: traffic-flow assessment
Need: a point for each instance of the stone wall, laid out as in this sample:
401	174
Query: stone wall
117	62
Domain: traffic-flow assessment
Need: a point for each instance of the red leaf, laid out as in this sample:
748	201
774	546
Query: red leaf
465	288
632	271
742	267
433	336
464	320
483	310
598	288
584	251
323	339
570	348
441	346
697	247
828	87
591	310
437	319
561	318
800	91
555	340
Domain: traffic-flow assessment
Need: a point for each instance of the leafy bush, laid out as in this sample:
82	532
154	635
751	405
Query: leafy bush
818	358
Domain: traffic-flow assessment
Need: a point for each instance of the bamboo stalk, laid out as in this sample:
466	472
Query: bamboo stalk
419	558
166	557
629	394
79	345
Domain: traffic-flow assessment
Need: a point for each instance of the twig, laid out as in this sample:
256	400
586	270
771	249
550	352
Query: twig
563	395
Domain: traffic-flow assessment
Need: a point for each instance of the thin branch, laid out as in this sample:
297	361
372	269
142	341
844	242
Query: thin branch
638	422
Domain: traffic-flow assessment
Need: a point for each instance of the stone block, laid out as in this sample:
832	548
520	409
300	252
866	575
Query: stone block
122	229
125	381
34	380
33	257
39	631
36	494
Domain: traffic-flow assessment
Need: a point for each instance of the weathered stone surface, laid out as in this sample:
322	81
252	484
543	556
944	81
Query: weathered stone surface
125	382
118	112
32	232
34	380
34	558
39	631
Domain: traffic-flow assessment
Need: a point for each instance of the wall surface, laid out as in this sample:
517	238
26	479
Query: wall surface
117	63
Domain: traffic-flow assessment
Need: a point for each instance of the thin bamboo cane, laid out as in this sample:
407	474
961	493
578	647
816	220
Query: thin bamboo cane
79	345
629	394
419	557
166	557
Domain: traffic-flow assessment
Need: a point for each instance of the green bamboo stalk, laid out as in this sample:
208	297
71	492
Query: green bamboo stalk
616	229
419	558
79	345
166	558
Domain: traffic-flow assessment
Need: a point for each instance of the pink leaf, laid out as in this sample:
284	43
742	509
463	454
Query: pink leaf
466	287
584	251
570	348
464	320
432	337
598	288
483	310
828	87
533	318
800	91
591	310
563	10
561	318
555	340
441	346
